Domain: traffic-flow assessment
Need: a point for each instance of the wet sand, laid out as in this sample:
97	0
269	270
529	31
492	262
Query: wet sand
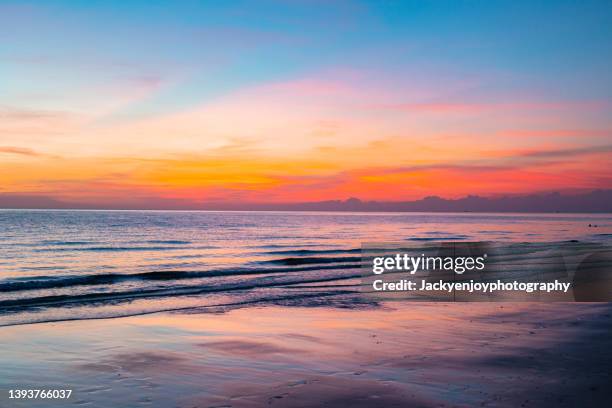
399	354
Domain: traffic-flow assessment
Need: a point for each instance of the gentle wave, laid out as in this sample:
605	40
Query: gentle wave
313	260
51	282
168	241
330	298
111	248
63	300
314	251
433	239
66	243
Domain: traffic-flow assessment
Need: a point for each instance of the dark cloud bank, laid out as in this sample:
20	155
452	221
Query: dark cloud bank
599	201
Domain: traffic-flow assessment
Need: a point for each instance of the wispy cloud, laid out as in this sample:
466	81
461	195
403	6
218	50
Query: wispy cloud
553	133
18	150
24	114
473	108
568	152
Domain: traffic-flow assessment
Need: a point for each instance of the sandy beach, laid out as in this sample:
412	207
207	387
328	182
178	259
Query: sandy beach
398	354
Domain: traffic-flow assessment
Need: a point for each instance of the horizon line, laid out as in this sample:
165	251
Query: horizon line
554	202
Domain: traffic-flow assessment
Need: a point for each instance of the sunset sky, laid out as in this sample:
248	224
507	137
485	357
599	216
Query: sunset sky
295	101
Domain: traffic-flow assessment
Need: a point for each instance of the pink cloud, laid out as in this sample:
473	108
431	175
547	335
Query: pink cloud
555	133
471	108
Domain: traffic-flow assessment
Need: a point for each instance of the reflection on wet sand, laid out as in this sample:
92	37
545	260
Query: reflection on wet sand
419	354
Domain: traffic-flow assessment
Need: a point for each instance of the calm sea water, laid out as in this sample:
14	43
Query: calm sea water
59	265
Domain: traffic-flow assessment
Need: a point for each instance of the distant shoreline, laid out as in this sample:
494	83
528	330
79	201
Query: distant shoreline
593	202
313	211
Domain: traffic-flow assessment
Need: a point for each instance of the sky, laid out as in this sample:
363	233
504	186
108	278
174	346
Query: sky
298	101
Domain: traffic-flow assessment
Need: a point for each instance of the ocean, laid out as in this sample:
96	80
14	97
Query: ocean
58	265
